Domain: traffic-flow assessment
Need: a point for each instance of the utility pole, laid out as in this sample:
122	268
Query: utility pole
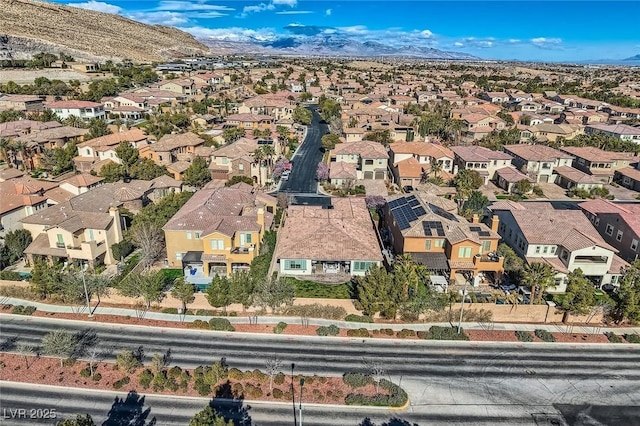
301	386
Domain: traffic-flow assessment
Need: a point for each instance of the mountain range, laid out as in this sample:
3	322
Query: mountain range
633	58
329	46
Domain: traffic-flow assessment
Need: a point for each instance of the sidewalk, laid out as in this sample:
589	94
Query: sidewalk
578	329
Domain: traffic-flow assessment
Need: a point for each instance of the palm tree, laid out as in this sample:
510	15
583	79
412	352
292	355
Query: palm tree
436	168
21	147
269	153
539	277
74	121
5	146
258	157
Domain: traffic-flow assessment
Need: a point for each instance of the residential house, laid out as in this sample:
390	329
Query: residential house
353	134
619	131
104	147
21	197
38	141
370	158
618	224
412	161
507	178
549	132
171	148
218	231
495	97
278	105
328	243
80	183
250	121
447	244
571	178
185	86
477	126
597	162
236	159
24	103
85	110
562	239
629	177
483	160
538	161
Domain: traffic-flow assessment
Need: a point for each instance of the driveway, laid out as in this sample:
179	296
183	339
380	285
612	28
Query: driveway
303	175
622	193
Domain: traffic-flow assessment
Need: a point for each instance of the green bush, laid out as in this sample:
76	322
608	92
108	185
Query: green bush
10	276
279	379
169	310
632	338
118	384
253	391
315	311
358	318
199	324
121	250
279	328
386	331
613	337
145	378
544	335
201	387
235	374
96	377
23	310
405	332
85	372
524	336
206	312
445	333
331	330
277	393
357	380
221	324
358	332
397	397
69	362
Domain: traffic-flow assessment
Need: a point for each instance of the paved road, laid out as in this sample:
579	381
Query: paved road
303	176
448	382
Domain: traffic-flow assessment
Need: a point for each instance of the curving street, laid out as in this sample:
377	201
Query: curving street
448	382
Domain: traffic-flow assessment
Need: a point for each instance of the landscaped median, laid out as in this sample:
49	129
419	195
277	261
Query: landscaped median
215	380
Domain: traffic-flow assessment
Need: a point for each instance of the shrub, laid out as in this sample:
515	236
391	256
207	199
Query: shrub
524	336
253	391
127	361
613	337
357	380
632	338
221	324
118	384
405	332
85	372
199	324
235	374
538	191
386	331
445	333
259	376
69	362
121	250
358	332
279	328
544	335
397	397
279	379
358	318
201	387
277	393
145	378
23	310
331	330
169	311
96	377
237	389
10	276
206	312
315	310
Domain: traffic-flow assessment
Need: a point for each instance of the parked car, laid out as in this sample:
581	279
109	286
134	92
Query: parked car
506	287
408	188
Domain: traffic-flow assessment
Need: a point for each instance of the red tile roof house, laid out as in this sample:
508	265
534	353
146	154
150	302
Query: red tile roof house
483	160
370	158
599	163
103	148
538	161
82	109
507	177
629	177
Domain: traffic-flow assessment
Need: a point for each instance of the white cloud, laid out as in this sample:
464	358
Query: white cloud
160	18
294	12
426	33
546	43
355	30
262	7
179	5
328	12
514	40
290	3
233	33
458	44
98	6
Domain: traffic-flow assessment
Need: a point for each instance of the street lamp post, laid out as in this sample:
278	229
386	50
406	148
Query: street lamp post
301	386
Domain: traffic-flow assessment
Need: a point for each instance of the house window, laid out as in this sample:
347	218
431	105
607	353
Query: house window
245	239
217	244
619	236
597	221
545	249
60	238
427	245
362	266
464	252
439	243
240	166
486	246
88	151
368	162
295	264
197	235
537	249
379	162
553	249
91	235
609	230
189	235
225	160
634	244
564	255
160	157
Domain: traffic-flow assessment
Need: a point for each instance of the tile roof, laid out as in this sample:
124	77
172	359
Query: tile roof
631	172
591	153
421	148
339	234
535	152
479	153
365	149
575	175
342	170
512	175
73	104
173	141
133	135
82	180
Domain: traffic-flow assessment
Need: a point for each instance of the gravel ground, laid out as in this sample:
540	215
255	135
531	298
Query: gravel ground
28	76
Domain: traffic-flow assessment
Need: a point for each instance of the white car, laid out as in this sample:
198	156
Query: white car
285	174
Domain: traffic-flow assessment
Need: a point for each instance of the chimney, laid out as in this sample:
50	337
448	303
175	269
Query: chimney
261	218
495	220
117	224
475	219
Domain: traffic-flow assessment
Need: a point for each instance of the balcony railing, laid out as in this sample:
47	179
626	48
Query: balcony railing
242	250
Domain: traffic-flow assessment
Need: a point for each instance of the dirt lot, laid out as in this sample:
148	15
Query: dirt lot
28	76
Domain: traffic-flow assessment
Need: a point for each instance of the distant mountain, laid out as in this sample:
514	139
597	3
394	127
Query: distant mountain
327	45
633	58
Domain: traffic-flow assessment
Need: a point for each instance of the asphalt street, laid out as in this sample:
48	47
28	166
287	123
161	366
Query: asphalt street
448	382
303	175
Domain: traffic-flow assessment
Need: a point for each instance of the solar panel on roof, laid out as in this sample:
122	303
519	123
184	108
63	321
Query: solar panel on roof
426	228
440	232
419	211
393	204
414	203
411	197
475	229
484	234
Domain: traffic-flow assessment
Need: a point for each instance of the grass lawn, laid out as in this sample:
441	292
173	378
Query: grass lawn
171	274
305	288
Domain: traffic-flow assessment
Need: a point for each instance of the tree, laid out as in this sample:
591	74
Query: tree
237	179
580	296
93	356
128	155
628	297
329	109
209	417
467	181
26	350
242	287
146	169
129	361
523	186
197	174
16	242
232	134
374	202
329	141
60	344
80	420
97	128
219	292
280	166
436	168
475	204
148	236
381	136
150	286
322	171
302	115
111	172
273	367
274	292
183	291
513	263
539	277
372	290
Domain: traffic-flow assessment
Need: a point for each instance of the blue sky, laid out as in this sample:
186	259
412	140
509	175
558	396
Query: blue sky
525	30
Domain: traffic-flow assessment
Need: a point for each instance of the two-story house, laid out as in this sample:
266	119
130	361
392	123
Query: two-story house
85	110
277	105
218	231
184	86
618	224
629	177
562	239
170	147
237	159
447	244
623	132
328	243
370	158
483	160
21	197
412	161
537	161
597	162
477	126
104	148
25	103
250	121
